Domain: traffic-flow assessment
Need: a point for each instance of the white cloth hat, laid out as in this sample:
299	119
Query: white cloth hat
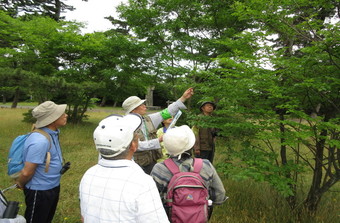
115	133
178	140
47	112
131	103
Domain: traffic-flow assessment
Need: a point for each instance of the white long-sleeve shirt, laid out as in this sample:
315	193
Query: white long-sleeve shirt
156	119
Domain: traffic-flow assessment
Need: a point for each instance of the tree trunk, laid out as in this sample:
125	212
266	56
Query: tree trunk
84	110
57	10
73	118
283	153
314	194
4	100
103	102
149	96
16	98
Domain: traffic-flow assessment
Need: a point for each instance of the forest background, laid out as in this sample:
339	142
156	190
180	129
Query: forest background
272	67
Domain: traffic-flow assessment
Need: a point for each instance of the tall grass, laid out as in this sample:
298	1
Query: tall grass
249	201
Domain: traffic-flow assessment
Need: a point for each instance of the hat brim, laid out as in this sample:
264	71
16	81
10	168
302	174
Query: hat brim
131	109
60	109
208	102
192	140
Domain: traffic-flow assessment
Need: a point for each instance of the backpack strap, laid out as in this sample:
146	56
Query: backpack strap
171	165
198	164
3	199
48	154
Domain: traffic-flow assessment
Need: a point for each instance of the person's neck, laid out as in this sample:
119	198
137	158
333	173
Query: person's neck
129	155
52	127
207	113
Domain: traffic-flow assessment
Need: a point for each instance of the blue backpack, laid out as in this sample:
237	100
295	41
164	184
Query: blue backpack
16	154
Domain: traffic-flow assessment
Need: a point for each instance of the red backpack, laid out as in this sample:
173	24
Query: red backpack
187	195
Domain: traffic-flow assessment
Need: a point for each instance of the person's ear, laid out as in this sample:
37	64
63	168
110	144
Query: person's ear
134	145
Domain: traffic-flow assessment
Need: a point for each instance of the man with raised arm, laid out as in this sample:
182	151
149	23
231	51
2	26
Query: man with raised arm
149	149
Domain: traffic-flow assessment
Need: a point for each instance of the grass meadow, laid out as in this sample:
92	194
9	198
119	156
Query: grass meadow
249	201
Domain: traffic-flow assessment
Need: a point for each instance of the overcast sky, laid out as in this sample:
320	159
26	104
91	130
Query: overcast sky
92	13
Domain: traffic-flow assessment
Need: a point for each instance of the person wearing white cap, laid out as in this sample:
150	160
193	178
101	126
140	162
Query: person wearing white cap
178	142
42	186
149	149
117	189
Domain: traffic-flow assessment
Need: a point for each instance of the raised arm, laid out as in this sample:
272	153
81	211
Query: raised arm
172	109
187	94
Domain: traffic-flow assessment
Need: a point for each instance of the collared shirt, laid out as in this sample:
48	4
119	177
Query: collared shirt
156	119
35	149
119	191
162	175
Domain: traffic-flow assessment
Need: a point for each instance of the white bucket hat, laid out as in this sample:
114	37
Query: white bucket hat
47	112
131	103
115	133
178	140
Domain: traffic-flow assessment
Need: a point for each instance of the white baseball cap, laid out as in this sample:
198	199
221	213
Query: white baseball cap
131	103
178	140
115	133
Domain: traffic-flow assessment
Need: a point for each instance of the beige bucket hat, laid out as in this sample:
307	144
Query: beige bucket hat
131	103
47	112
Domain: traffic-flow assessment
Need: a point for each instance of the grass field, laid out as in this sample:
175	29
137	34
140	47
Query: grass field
249	201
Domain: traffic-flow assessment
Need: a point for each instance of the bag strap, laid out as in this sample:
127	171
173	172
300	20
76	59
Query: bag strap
171	165
198	164
3	199
48	154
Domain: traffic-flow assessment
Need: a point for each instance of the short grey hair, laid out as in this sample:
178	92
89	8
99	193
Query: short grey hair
106	153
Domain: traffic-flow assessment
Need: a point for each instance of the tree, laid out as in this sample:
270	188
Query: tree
50	8
182	35
120	62
273	105
12	75
10	80
73	68
33	53
31	46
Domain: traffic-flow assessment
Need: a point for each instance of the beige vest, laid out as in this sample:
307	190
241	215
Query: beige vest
144	158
